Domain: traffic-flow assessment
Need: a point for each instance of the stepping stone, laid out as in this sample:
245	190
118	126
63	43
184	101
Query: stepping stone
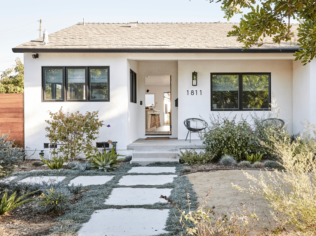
40	179
9	179
137	196
131	180
127	222
91	180
152	170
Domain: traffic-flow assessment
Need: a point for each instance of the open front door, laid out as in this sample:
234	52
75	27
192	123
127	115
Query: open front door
158	103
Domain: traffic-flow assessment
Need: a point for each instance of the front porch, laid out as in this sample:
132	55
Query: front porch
160	150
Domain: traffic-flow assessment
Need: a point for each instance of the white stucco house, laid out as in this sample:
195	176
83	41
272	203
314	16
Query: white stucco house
139	77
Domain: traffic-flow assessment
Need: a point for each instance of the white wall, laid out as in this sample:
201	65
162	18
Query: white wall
132	122
146	68
113	112
200	105
304	95
159	100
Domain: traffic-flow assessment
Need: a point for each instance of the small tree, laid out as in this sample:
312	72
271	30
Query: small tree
74	131
13	83
9	155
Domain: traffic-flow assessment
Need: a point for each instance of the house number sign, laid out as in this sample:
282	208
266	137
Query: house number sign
193	92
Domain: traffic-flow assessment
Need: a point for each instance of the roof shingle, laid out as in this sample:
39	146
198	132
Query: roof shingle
159	36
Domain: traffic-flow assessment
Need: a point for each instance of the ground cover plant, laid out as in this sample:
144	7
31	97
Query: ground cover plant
74	131
228	160
192	157
291	192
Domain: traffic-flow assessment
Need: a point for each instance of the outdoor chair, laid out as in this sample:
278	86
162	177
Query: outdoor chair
195	125
273	122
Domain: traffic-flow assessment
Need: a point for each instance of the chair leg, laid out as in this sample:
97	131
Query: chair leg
187	136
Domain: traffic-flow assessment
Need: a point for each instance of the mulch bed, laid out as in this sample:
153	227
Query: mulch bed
216	167
24	220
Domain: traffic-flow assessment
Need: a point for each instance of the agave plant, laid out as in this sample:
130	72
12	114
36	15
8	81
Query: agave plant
107	161
8	205
56	163
254	157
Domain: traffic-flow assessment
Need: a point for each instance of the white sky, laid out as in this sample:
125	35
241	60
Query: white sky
19	18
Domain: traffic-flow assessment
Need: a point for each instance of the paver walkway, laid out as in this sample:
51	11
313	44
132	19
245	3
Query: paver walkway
137	220
132	208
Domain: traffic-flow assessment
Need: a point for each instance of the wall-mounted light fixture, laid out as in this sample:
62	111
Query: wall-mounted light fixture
194	78
35	55
147	90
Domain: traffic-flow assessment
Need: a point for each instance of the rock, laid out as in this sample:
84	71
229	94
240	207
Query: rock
186	169
37	163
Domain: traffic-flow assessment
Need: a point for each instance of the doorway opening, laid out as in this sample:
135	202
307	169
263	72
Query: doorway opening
158	105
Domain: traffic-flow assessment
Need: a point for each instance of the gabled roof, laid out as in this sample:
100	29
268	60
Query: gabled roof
147	37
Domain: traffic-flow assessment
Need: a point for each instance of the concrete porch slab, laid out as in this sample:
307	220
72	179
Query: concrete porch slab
137	196
40	179
127	222
165	145
132	180
91	180
152	170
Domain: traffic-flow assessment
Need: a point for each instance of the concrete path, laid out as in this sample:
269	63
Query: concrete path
134	221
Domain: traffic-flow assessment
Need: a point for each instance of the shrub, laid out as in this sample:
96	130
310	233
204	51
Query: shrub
107	161
230	137
244	164
257	165
56	163
291	192
227	160
8	204
78	166
271	164
53	200
75	189
192	157
254	157
9	155
74	131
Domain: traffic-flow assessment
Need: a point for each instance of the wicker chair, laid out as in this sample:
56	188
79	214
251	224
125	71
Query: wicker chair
195	125
273	122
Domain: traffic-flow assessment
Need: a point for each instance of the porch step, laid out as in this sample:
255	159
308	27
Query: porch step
147	157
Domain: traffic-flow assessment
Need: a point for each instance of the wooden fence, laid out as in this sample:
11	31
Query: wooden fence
12	116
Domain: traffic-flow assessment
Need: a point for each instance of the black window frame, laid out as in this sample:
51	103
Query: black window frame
240	92
65	83
133	87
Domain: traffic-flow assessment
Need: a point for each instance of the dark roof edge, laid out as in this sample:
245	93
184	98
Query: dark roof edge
151	50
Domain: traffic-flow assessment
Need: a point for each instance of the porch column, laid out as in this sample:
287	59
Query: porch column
304	94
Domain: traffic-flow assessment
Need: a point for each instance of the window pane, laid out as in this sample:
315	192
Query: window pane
76	84
99	84
53	84
255	91
225	91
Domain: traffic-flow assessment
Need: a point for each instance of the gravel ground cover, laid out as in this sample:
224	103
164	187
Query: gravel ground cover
93	198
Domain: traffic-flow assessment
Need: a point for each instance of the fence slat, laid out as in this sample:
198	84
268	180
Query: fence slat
12	117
